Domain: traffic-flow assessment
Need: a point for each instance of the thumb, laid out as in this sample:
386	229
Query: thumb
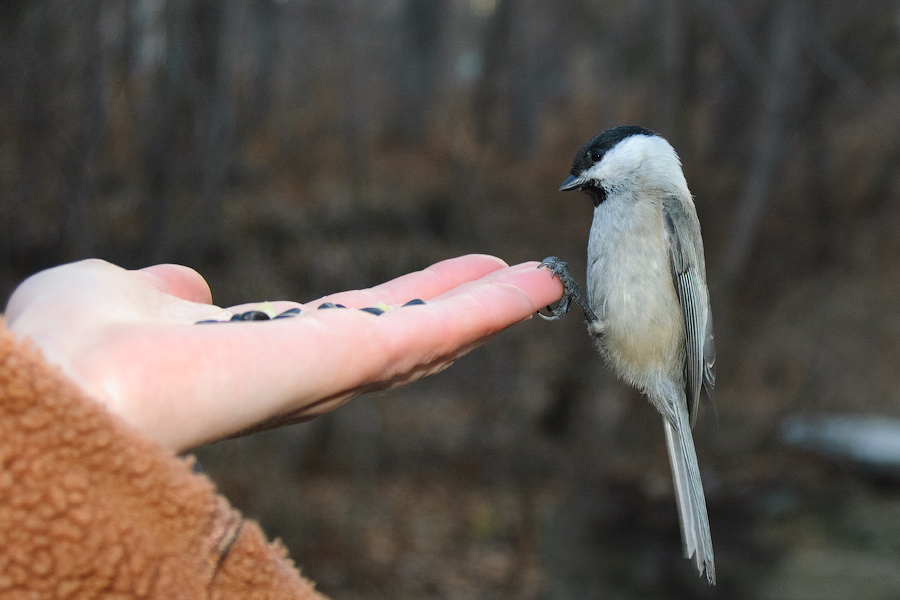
179	281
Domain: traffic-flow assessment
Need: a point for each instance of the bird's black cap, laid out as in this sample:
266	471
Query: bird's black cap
592	152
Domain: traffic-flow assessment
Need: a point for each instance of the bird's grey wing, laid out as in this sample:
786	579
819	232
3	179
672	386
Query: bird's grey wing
682	234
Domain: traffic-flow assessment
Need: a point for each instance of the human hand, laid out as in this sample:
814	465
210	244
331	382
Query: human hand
129	340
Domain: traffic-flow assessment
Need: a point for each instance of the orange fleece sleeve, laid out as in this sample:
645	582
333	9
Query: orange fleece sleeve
90	508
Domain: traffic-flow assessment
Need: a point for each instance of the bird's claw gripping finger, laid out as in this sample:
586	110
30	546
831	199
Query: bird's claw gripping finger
560	270
560	311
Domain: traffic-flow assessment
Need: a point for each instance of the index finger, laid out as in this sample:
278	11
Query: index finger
425	284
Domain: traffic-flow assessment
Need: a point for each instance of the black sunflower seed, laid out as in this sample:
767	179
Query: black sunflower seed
373	310
415	302
251	315
292	312
330	305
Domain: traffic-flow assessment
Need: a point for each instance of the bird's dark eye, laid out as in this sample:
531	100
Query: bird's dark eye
595	155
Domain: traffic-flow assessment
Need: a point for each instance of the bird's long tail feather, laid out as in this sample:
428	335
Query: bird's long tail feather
689	494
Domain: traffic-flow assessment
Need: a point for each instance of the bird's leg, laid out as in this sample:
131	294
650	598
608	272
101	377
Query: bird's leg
560	270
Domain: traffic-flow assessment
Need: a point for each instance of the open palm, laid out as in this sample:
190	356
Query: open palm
129	339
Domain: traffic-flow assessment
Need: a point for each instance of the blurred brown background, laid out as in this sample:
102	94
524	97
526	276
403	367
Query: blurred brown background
295	148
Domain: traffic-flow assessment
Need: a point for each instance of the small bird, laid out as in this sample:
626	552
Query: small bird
647	304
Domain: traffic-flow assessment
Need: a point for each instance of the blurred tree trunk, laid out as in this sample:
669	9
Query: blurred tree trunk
779	85
193	137
79	222
422	30
522	51
264	31
673	49
490	122
169	120
216	114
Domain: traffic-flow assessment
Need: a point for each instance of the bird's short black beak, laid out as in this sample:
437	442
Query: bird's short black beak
571	183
